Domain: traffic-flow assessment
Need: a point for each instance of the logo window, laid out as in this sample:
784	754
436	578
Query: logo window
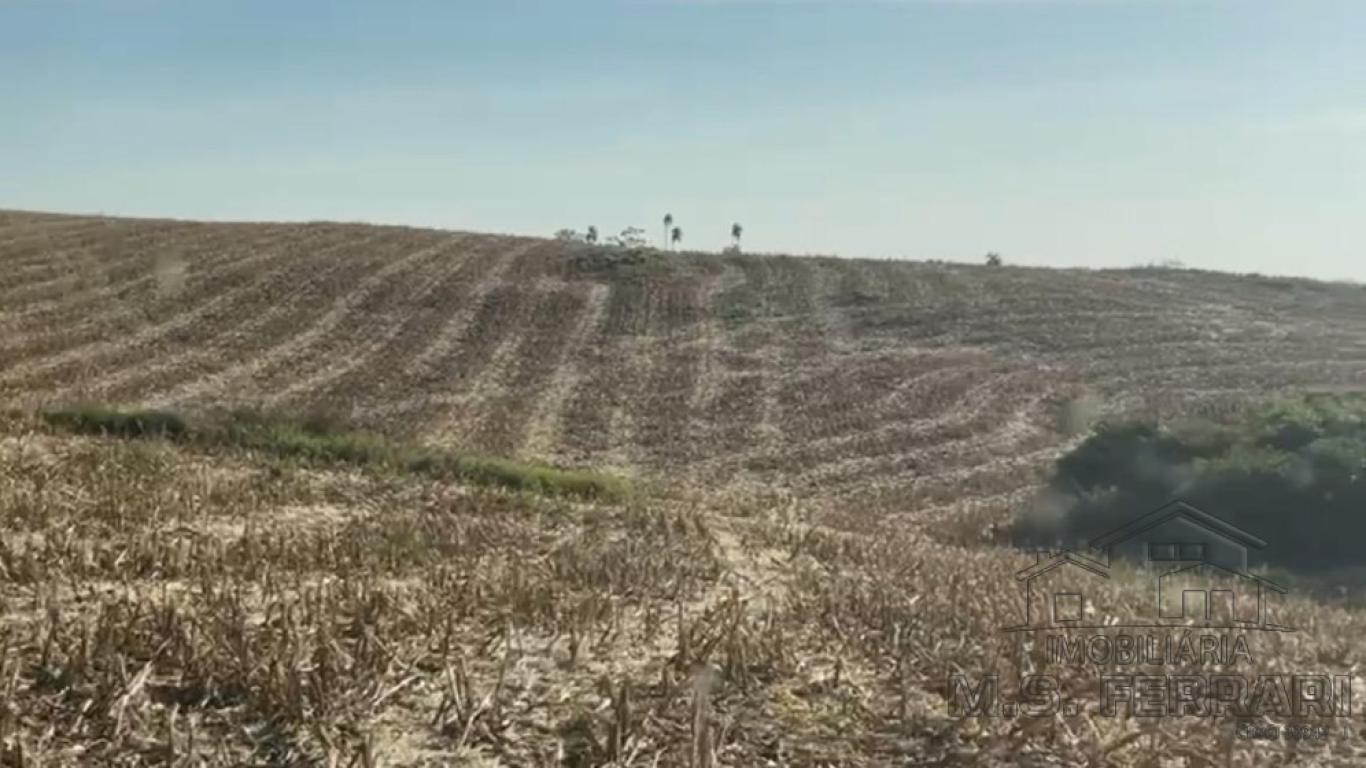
1161	551
1192	551
1066	607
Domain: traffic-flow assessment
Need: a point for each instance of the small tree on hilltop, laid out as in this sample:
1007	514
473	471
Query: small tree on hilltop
676	236
993	259
592	235
736	232
631	237
668	226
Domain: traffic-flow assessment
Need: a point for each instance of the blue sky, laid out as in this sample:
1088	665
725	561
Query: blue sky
1228	134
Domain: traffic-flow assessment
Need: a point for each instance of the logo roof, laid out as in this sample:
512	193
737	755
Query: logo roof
1064	557
1172	510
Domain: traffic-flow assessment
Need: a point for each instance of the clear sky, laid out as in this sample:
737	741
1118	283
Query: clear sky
1228	134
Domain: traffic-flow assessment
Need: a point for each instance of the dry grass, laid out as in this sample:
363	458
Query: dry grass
162	607
820	450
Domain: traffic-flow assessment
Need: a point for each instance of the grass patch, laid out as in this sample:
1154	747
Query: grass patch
617	262
738	306
322	441
99	420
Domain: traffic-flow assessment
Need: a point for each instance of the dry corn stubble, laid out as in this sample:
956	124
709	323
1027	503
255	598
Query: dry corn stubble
164	606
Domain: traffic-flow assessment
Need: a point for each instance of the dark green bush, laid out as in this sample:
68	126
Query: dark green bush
1293	472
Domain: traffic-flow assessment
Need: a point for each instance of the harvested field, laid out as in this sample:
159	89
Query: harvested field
818	450
853	379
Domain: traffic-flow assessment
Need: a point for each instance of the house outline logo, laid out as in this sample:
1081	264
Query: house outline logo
1198	563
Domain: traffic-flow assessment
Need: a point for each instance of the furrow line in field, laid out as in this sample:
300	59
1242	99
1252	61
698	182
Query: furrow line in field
144	336
22	254
16	228
489	349
506	402
586	419
384	336
732	409
710	340
376	393
382	309
991	476
456	328
1005	437
459	348
127	293
544	438
242	373
97	260
659	414
806	337
211	346
943	393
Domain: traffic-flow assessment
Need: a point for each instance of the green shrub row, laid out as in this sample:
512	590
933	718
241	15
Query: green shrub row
319	441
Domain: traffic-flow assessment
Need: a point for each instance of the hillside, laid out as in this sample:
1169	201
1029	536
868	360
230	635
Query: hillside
855	379
776	552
